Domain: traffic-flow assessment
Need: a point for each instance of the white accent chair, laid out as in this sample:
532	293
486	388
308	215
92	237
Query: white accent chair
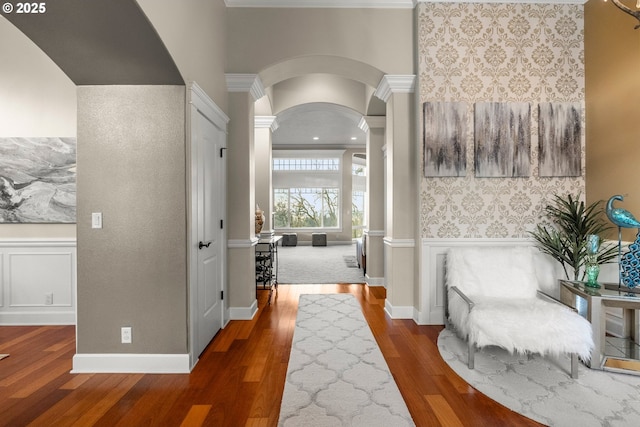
494	298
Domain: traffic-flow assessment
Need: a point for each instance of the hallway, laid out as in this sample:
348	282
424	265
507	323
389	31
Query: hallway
238	381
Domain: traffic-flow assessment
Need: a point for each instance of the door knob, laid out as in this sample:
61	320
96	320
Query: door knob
203	245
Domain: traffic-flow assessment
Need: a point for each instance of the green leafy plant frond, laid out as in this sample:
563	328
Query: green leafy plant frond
566	238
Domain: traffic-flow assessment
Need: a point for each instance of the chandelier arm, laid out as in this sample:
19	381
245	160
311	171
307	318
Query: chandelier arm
626	9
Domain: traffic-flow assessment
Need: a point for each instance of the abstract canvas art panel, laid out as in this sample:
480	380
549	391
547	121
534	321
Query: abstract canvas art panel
37	180
560	136
502	139
445	134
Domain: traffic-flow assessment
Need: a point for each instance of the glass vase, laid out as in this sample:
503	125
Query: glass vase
592	268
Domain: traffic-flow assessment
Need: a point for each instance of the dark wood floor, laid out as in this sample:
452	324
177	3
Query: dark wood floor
237	382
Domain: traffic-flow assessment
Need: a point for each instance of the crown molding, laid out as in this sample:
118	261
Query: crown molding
395	83
360	4
246	83
507	1
373	4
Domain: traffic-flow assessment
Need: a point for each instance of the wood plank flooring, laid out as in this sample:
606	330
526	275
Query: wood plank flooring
238	381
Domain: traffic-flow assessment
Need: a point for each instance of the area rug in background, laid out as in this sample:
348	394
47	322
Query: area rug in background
542	389
317	264
337	375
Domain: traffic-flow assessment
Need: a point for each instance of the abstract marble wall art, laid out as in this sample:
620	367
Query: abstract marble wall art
444	138
37	180
560	139
502	139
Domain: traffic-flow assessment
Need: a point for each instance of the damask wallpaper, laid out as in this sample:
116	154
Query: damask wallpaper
497	53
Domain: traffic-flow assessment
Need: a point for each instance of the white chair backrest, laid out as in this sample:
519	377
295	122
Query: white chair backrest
492	271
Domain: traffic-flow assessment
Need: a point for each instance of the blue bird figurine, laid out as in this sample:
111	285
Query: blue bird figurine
621	217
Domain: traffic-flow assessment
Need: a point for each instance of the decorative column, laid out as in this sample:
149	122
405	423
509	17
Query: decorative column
374	127
244	90
264	126
400	195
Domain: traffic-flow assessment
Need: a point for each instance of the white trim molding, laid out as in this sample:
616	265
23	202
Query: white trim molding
398	312
373	281
399	243
263	122
344	4
246	83
202	102
243	313
506	1
131	363
395	83
373	4
373	233
242	243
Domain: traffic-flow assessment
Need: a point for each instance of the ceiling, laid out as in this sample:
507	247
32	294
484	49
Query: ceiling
333	125
81	38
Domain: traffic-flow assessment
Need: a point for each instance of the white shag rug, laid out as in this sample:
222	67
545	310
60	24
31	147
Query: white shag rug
542	389
337	375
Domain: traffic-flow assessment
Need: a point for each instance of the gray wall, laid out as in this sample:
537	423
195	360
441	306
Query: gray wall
131	167
195	36
258	38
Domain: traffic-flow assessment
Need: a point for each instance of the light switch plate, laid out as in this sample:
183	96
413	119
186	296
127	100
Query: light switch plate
96	220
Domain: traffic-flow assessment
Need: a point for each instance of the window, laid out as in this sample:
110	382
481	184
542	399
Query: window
306	207
311	164
357	213
358	192
307	189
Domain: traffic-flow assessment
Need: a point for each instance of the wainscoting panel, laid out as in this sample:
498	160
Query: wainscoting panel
38	281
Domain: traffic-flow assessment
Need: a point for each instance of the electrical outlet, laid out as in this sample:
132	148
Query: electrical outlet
48	298
125	335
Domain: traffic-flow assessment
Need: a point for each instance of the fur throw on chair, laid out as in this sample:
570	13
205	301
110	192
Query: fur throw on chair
501	282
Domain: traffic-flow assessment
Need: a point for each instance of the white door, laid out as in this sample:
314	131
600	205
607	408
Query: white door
210	215
208	247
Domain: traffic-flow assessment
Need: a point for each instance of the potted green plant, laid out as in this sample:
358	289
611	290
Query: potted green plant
567	238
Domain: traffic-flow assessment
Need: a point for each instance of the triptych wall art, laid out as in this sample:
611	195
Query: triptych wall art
37	180
502	139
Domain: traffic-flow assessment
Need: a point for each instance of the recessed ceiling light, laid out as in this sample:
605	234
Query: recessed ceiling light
315	138
353	138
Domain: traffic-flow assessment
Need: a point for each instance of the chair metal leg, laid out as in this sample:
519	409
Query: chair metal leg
471	353
574	366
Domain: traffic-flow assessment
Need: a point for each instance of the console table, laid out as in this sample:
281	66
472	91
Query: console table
267	264
597	300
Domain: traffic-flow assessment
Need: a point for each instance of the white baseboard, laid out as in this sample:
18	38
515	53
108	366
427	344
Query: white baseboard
417	317
398	312
243	313
374	281
37	318
131	363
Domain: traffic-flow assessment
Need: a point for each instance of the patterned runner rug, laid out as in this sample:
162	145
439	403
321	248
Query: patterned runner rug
337	375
